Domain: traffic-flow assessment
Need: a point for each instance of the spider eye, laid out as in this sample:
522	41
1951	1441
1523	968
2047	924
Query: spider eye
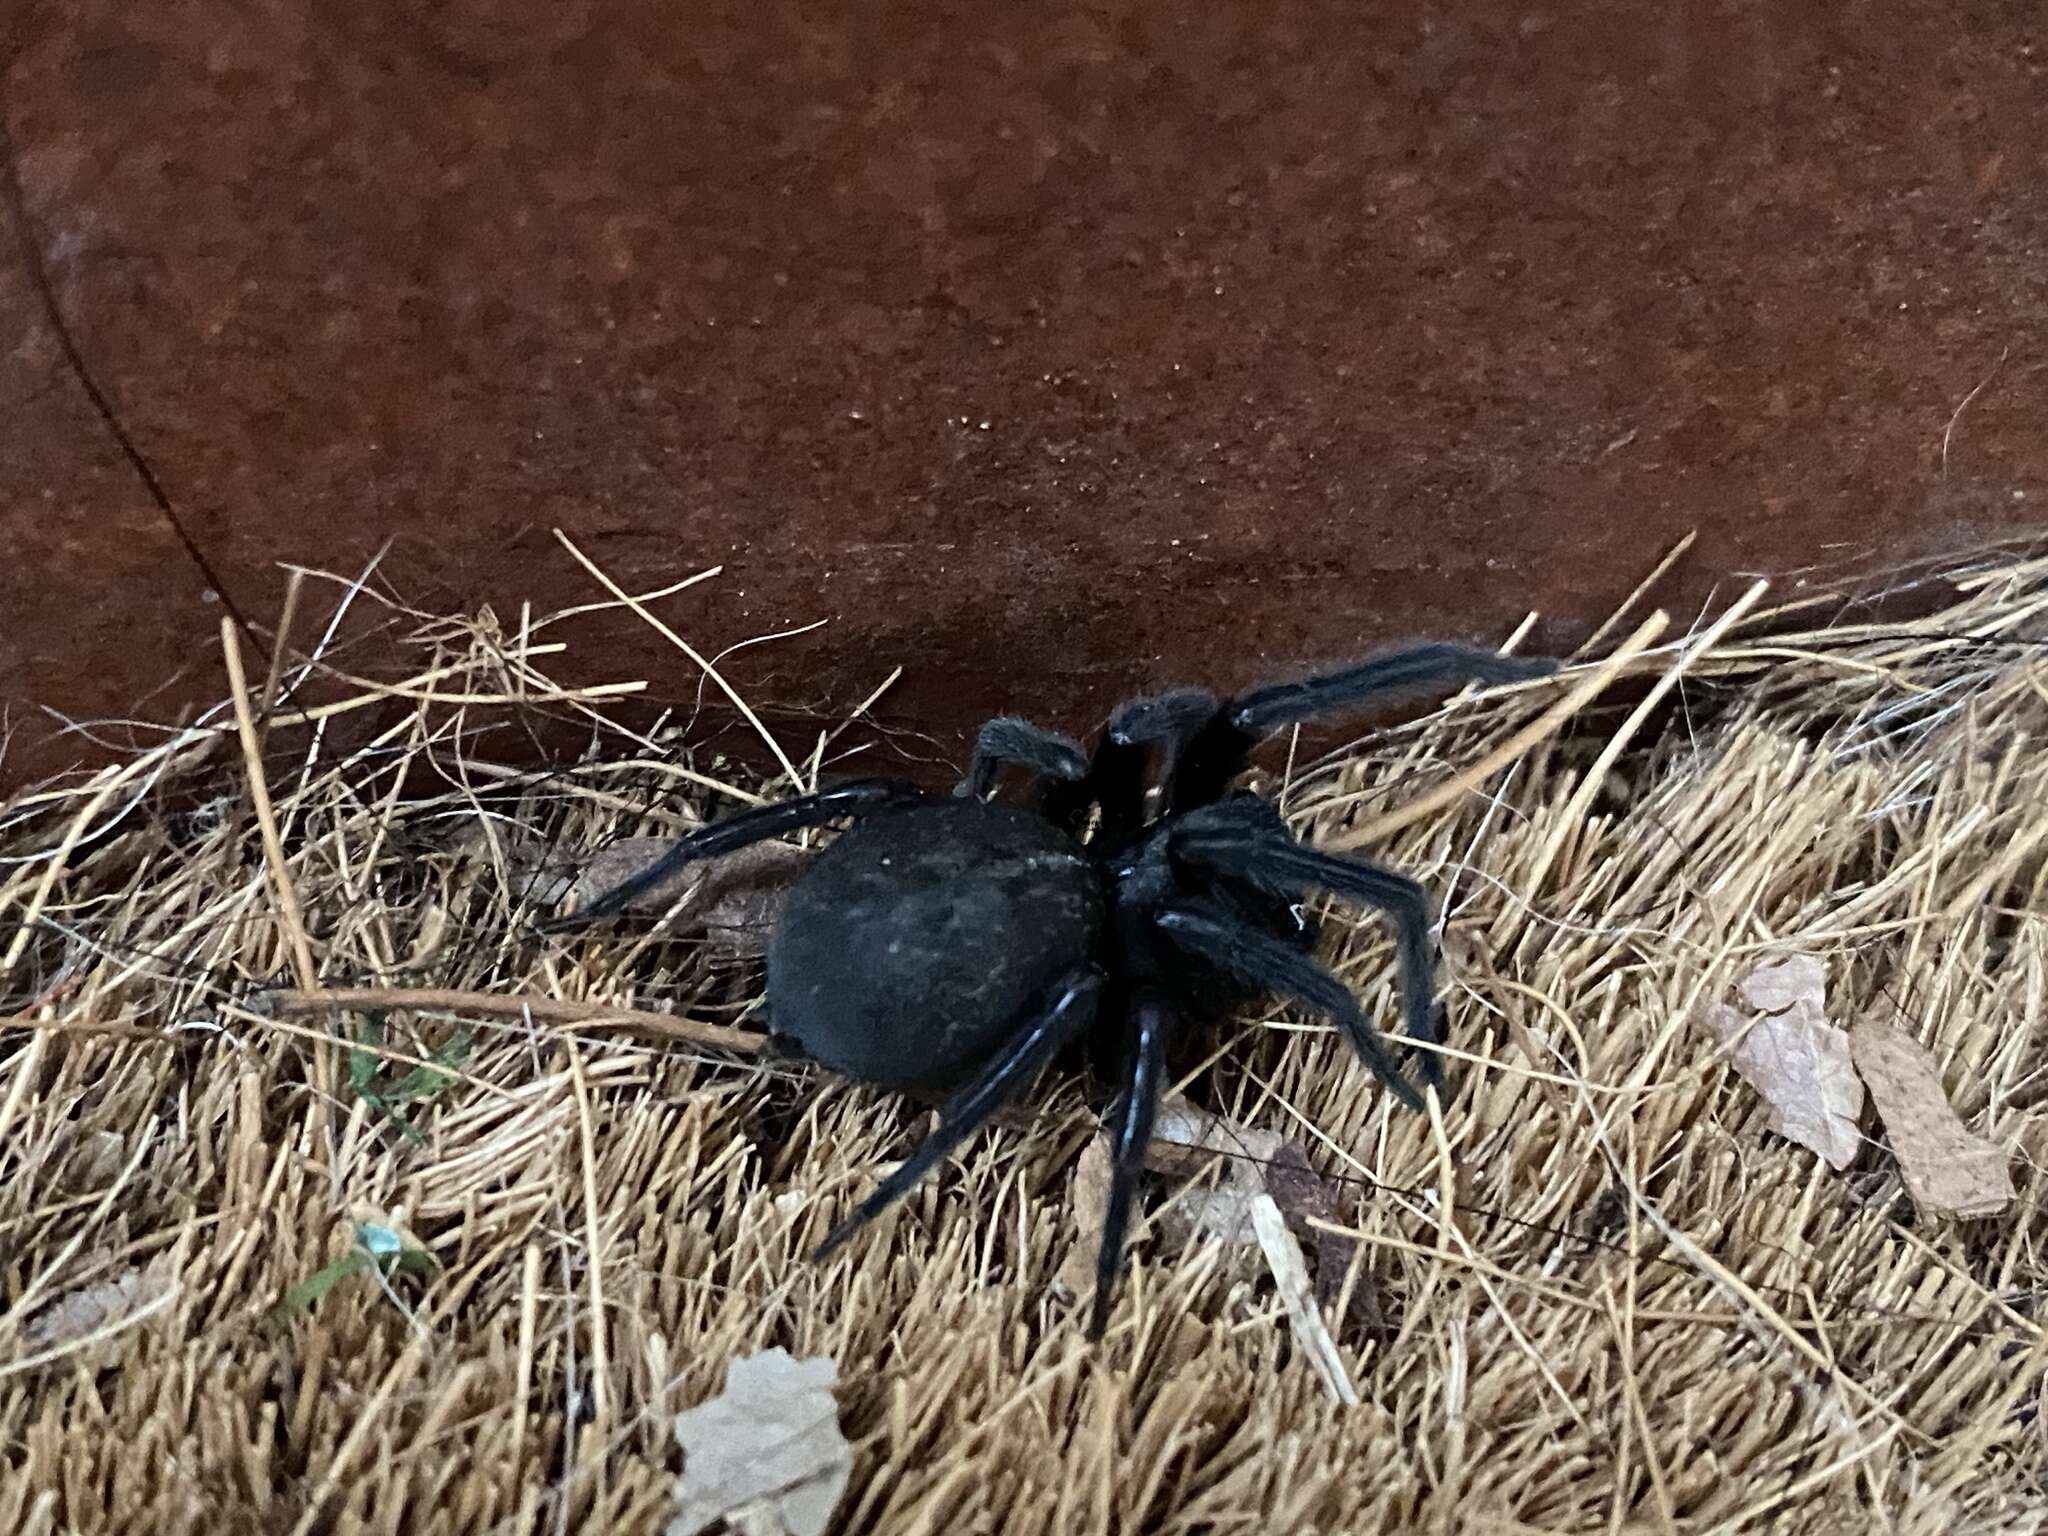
1161	717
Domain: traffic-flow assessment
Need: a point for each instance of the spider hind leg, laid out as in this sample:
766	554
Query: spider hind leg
1072	1006
756	825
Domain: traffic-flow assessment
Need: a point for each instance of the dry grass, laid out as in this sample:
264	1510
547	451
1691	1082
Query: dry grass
1615	1301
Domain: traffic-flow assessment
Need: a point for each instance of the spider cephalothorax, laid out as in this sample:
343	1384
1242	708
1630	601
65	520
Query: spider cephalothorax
956	944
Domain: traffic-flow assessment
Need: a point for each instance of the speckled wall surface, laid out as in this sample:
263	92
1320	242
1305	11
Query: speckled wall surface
1049	350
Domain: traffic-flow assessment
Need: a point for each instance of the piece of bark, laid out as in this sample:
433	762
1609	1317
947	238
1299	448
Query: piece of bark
1948	1170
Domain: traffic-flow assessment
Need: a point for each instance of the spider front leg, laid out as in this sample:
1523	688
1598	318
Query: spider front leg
751	826
1436	665
1008	739
1212	934
1221	750
1153	1023
1038	1039
1116	780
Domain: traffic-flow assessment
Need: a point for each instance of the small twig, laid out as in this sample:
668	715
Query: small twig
280	645
600	1370
1657	573
1298	1296
266	817
669	634
551	1010
113	1029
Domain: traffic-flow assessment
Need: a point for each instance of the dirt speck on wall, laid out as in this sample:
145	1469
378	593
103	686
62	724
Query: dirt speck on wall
1051	351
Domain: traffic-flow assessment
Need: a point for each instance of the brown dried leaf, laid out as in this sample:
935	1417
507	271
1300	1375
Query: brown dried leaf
97	1309
766	1455
1091	1209
1785	1048
1466	951
1248	1165
1306	1199
1948	1170
1187	1140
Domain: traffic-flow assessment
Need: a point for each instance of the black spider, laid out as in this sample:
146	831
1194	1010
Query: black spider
957	944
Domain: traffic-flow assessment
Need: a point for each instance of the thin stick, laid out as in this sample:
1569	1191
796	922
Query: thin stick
1298	1296
266	818
551	1010
688	650
280	645
600	1369
529	1315
1657	574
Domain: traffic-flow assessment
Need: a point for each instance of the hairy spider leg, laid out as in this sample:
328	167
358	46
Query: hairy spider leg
1221	749
1152	1025
751	826
1118	772
1115	782
1170	719
1263	854
1010	740
1075	999
1423	666
1167	722
1210	933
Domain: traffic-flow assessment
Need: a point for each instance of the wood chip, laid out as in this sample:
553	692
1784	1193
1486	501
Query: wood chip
1091	1208
1948	1170
766	1455
1784	1047
1290	1274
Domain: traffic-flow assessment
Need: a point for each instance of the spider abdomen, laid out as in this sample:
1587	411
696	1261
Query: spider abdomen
910	946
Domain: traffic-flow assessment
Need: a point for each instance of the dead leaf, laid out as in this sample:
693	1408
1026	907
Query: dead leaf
1465	951
733	899
766	1454
1187	1140
1091	1209
98	1311
1239	1165
1948	1170
1306	1199
1785	1048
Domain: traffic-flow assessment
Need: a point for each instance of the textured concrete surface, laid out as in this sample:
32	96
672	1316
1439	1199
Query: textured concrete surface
1048	350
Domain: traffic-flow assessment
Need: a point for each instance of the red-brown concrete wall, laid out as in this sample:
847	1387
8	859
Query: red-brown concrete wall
1048	349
